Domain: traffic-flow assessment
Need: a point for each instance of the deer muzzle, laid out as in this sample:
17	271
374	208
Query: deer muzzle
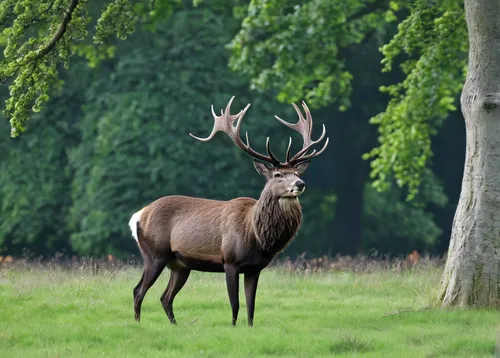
298	187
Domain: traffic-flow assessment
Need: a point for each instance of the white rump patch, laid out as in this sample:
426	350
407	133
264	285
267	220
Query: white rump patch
133	224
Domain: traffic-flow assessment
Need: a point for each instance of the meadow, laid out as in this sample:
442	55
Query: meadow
85	310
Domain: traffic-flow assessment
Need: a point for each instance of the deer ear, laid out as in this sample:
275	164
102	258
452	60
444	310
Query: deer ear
301	168
261	168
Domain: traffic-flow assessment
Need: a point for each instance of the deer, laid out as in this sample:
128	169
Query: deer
238	236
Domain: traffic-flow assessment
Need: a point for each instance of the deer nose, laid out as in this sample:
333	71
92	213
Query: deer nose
300	184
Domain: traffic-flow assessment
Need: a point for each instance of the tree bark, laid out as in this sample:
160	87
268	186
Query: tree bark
472	271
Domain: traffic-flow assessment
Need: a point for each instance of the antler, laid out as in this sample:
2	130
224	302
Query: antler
304	127
225	123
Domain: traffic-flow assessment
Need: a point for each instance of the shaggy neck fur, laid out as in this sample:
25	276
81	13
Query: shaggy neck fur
275	221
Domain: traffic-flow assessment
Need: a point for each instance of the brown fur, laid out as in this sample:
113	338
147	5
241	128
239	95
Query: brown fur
241	235
218	231
236	236
275	224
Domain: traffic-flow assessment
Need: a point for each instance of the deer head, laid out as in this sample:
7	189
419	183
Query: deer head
282	177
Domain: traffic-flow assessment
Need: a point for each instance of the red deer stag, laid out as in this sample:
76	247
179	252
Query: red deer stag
241	235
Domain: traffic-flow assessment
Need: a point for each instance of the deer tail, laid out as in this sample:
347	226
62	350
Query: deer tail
134	224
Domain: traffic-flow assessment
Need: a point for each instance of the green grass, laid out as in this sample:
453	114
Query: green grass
74	313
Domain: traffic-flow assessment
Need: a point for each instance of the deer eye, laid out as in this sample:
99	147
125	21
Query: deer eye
278	175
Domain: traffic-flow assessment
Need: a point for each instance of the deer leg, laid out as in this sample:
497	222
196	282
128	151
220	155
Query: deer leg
138	286
251	280
232	282
178	278
152	269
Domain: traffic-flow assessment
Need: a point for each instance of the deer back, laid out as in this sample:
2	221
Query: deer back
196	228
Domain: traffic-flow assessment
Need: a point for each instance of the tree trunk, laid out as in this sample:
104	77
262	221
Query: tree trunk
472	271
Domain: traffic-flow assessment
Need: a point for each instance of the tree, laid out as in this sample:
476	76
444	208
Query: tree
35	176
358	28
433	38
135	145
127	138
42	35
272	50
472	272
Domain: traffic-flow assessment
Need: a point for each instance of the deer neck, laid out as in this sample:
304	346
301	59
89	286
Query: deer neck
275	221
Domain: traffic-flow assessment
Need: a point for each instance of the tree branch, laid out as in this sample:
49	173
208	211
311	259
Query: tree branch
60	30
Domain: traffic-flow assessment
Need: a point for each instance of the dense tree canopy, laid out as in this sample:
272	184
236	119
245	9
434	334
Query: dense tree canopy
110	129
297	49
272	49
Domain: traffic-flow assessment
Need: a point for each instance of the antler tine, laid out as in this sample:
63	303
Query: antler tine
222	122
270	158
225	123
232	117
305	148
215	129
313	154
304	128
303	125
271	155
288	150
308	116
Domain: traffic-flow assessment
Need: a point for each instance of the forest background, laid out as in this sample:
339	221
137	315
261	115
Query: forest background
113	136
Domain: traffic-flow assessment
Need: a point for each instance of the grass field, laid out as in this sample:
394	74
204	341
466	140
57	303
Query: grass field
55	312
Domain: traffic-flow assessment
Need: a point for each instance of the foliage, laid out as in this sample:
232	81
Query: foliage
124	120
41	36
35	178
319	208
391	225
297	48
434	37
135	145
128	144
345	314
